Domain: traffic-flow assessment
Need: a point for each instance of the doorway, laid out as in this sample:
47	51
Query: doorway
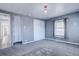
5	41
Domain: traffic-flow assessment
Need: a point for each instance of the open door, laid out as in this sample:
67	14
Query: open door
5	41
5	34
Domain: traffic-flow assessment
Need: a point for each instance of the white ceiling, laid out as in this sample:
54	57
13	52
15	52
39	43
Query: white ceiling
36	10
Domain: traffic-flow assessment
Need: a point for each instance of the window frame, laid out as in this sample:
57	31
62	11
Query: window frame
64	19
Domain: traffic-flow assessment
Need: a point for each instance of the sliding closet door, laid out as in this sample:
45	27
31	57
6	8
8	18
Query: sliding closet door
16	29
39	30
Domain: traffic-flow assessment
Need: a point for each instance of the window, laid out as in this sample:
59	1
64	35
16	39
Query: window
59	28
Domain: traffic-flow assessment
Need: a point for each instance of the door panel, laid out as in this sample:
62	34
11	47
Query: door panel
16	29
39	30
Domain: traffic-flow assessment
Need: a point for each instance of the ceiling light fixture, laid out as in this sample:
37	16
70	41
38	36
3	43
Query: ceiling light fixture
45	8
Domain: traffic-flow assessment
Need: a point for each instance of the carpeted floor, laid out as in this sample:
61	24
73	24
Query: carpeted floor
42	48
45	51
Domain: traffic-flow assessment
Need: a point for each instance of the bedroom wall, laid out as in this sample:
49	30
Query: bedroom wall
72	27
22	29
26	29
49	29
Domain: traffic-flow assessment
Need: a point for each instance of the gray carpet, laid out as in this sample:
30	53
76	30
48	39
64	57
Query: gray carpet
50	51
42	48
47	52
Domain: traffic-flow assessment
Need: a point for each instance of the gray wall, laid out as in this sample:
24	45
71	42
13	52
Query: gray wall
22	29
72	32
49	29
27	29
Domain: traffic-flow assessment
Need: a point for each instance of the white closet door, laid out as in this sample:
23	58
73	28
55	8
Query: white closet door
39	30
16	29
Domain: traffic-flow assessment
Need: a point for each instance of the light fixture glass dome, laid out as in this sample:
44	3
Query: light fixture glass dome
45	11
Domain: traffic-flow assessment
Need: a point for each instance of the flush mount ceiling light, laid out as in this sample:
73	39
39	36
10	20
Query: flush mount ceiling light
45	8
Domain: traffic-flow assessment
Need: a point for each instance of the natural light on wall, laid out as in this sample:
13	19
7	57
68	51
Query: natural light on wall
4	30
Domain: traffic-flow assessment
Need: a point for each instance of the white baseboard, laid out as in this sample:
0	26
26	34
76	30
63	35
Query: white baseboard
31	41
63	41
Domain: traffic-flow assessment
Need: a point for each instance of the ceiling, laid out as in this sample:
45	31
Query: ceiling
36	10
